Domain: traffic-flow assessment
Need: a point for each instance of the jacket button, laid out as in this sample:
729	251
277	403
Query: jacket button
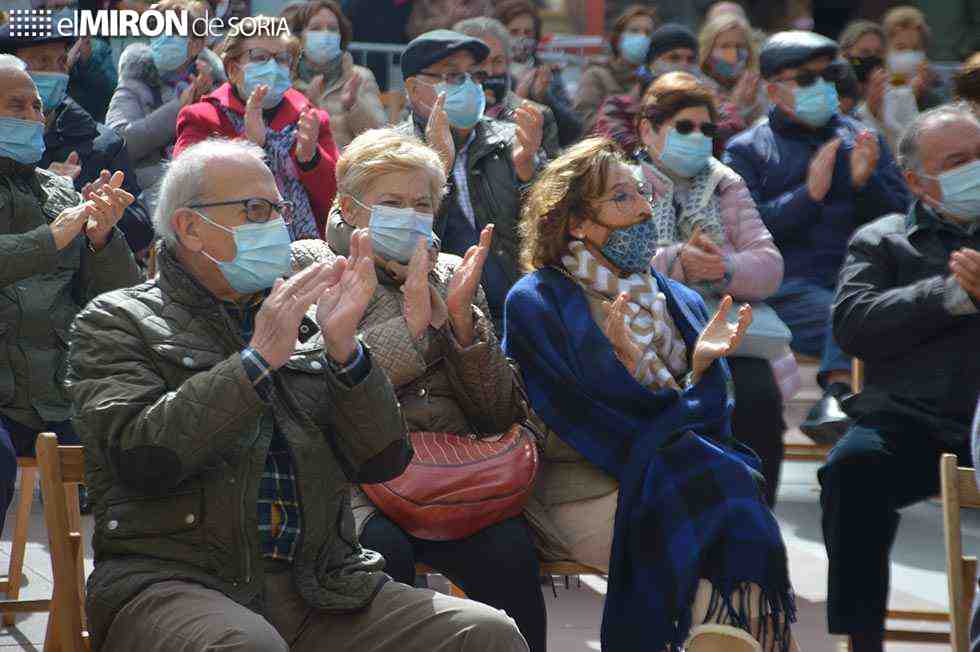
304	329
189	519
188	361
316	366
112	525
422	393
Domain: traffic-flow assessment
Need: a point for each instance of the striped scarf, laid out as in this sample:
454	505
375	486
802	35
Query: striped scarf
650	326
277	147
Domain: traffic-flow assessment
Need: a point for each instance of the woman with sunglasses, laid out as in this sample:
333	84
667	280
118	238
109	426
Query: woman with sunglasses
259	103
716	243
641	474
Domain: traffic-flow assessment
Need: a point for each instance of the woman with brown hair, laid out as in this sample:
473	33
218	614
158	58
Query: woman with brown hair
326	73
625	368
617	75
713	240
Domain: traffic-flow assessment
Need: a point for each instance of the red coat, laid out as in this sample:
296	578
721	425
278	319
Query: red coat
204	119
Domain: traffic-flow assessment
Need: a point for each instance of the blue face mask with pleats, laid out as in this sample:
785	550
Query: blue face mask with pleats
21	140
686	154
273	75
169	52
817	103
261	255
961	191
321	46
634	46
395	232
52	87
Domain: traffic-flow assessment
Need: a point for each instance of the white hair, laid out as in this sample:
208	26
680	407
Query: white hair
10	62
484	25
184	181
909	156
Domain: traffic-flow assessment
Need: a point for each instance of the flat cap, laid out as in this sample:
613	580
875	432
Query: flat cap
792	49
432	47
671	37
10	44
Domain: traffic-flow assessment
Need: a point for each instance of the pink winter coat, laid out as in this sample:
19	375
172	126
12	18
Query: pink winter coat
755	263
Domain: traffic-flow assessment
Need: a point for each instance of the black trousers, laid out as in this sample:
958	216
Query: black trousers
758	418
881	465
497	566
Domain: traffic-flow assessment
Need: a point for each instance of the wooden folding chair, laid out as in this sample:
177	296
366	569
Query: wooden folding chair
62	469
959	487
18	546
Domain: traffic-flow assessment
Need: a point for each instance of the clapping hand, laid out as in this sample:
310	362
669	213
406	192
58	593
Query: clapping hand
924	78
314	91
254	122
340	308
965	265
71	168
438	135
702	259
307	135
530	130
875	96
746	90
80	51
627	351
418	304
463	285
109	201
864	158
820	174
348	97
719	338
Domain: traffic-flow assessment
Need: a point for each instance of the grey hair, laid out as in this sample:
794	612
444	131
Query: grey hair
186	176
9	61
908	147
481	25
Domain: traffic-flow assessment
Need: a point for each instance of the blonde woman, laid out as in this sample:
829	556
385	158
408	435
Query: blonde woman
428	327
626	369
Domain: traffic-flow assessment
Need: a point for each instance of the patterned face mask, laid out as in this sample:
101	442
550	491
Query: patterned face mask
631	248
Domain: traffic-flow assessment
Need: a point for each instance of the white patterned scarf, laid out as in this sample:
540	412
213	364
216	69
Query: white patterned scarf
699	205
651	327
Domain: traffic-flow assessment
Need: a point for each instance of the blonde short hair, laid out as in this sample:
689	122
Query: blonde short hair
378	152
905	17
709	34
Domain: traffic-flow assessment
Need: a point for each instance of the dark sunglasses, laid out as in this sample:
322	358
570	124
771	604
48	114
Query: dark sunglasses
684	127
832	73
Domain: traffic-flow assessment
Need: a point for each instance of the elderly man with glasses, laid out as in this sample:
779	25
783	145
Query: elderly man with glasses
815	175
225	412
489	161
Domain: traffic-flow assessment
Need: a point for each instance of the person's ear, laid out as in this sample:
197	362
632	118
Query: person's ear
915	183
187	227
346	204
647	134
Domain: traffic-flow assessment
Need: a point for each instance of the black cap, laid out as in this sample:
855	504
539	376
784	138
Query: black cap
671	37
10	44
793	49
432	47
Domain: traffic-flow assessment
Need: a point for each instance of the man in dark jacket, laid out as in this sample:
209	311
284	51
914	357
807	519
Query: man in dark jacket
75	144
488	161
48	269
225	413
907	305
815	175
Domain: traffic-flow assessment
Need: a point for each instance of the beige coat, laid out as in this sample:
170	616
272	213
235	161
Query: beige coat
599	81
367	112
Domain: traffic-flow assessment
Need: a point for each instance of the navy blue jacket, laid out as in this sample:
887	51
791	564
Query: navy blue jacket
773	157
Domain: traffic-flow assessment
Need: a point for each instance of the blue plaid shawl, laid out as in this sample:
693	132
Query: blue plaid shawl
689	504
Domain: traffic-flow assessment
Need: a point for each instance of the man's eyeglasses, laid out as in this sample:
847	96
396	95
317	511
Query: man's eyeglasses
257	209
458	78
832	73
684	127
258	55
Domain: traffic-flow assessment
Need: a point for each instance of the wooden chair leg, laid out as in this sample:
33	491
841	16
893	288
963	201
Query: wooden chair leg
18	547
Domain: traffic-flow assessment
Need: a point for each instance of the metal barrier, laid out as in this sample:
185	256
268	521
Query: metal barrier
384	59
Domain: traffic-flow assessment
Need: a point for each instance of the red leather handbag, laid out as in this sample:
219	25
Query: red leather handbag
456	485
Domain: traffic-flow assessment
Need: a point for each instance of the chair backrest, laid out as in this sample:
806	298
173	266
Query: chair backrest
62	469
857	375
959	488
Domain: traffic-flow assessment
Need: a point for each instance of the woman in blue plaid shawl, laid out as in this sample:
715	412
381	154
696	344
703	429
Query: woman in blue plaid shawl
624	366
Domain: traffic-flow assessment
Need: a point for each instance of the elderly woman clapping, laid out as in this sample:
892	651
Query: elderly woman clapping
428	327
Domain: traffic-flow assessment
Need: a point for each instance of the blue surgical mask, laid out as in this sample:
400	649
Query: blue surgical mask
52	87
817	103
961	191
685	155
261	255
21	140
632	248
727	70
321	46
634	46
169	52
273	75
395	232
465	103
